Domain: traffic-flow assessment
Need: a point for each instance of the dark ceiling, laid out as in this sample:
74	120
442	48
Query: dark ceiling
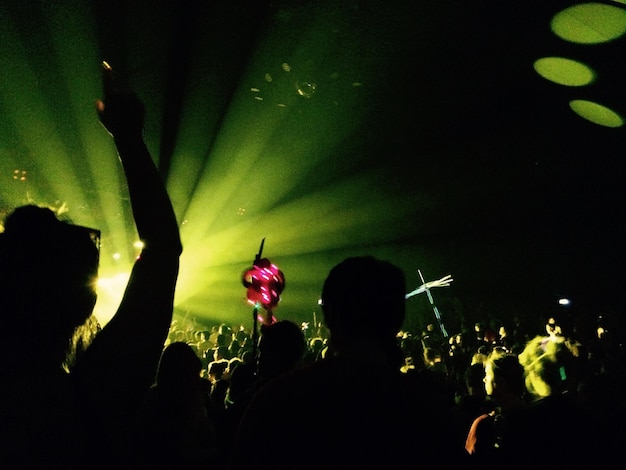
469	163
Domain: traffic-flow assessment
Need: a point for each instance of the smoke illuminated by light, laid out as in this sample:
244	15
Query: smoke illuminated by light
239	169
295	132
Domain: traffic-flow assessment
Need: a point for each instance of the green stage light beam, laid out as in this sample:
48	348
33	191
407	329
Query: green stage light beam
263	160
26	109
72	34
294	110
48	88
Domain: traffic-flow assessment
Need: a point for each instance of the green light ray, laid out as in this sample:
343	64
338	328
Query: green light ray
350	213
35	124
72	30
69	156
269	168
190	153
237	148
16	170
262	153
257	180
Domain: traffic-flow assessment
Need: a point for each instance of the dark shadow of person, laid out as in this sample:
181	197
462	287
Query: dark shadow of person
77	416
354	408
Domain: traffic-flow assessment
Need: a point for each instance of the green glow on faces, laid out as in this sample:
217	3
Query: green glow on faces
564	71
596	113
590	23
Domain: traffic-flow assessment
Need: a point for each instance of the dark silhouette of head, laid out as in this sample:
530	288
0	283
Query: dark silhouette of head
474	379
364	296
48	271
505	368
179	367
281	347
241	381
217	368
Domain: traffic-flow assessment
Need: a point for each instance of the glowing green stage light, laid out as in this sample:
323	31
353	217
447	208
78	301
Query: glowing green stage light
590	23
596	113
563	71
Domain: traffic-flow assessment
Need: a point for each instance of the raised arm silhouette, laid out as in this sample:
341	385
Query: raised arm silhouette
70	417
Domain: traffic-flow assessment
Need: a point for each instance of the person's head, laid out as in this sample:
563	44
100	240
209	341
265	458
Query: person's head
233	363
281	347
242	379
480	355
552	327
221	352
432	355
48	273
179	366
504	376
225	330
549	366
475	379
217	369
364	296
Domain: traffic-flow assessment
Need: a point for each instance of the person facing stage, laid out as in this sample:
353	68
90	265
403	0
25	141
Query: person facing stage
354	408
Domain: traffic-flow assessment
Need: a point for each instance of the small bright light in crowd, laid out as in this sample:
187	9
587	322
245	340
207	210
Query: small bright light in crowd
564	301
138	244
116	256
319	302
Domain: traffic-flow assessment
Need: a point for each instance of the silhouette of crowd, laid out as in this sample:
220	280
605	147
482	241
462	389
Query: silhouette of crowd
355	391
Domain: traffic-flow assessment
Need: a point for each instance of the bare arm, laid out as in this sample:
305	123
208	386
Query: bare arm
121	363
122	114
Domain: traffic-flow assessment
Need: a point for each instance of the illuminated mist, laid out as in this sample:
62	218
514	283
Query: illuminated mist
304	126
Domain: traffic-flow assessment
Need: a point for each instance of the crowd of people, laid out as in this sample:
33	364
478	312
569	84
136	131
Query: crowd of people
358	392
481	378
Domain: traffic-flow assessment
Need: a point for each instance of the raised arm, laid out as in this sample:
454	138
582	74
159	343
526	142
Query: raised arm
121	363
122	114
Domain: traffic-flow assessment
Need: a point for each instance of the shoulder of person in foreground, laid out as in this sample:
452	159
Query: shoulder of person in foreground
357	421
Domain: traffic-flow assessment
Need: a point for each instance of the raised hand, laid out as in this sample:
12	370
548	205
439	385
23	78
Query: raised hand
120	111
